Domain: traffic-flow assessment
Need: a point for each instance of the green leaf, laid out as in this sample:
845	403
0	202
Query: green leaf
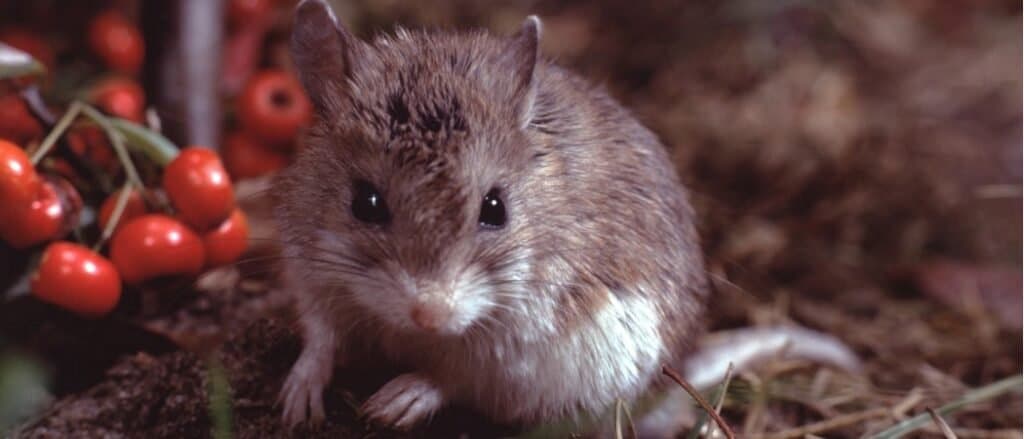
15	63
150	143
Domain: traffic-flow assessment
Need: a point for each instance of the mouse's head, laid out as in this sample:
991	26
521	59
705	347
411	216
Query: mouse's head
408	196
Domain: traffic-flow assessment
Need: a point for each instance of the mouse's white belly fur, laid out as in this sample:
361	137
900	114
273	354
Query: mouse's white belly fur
535	372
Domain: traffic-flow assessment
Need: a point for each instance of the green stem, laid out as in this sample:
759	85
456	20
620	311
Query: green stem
977	395
219	398
58	130
724	388
117	143
115	216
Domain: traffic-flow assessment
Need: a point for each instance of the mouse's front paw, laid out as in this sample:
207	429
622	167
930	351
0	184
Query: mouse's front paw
404	401
302	393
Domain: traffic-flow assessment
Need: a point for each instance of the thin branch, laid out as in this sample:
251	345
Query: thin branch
725	388
30	95
969	433
620	408
37	106
700	400
115	215
943	426
719	397
829	424
990	391
618	419
117	142
58	130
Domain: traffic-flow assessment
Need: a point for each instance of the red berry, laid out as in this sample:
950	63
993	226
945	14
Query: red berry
199	188
33	209
16	122
90	143
228	242
273	107
120	97
70	200
247	158
64	169
117	41
133	208
240	57
156	245
19	182
242	12
78	279
49	216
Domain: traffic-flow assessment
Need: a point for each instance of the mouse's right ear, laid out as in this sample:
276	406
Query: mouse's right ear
322	50
525	53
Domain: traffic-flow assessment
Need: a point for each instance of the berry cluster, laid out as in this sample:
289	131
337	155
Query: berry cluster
104	175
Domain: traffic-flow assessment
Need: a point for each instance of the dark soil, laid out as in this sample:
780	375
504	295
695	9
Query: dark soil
168	396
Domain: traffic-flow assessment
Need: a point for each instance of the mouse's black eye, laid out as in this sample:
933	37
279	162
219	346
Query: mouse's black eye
492	211
368	204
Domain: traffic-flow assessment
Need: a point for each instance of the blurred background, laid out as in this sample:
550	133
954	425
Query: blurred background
857	165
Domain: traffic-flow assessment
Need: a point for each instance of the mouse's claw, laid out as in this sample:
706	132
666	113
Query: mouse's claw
302	393
404	402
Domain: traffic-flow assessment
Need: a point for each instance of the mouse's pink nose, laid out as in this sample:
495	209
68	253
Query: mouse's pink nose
430	314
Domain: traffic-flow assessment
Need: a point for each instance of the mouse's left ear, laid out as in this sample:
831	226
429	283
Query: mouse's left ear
524	56
323	52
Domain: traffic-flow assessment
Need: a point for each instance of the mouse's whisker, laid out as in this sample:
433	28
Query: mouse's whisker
515	296
487	328
301	258
522	284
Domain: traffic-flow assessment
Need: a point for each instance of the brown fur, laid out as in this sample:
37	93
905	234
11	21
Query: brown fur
435	120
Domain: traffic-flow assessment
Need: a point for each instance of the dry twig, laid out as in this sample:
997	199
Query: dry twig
997	388
829	424
946	431
700	400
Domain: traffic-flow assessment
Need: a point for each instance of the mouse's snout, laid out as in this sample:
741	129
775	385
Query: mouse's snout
444	308
430	312
426	303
